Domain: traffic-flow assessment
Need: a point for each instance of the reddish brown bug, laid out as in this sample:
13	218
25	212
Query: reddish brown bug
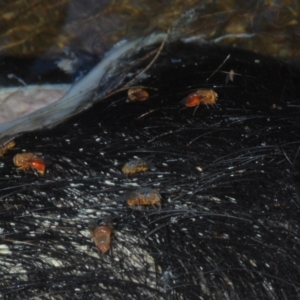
102	236
135	166
199	97
28	160
137	94
144	197
203	96
7	147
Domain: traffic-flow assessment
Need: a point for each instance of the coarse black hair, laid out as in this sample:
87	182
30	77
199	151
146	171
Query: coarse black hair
228	174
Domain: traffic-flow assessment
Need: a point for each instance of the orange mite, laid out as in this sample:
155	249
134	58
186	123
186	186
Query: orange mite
7	147
201	97
25	161
135	166
101	236
137	94
144	197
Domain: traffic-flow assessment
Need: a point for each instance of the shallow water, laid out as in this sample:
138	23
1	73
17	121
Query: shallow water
267	27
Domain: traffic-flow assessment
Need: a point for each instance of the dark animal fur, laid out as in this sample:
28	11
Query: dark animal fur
230	231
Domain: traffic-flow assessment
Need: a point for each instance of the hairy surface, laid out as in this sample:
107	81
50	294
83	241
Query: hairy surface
228	174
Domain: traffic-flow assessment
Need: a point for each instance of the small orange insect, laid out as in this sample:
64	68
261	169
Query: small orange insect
200	97
135	166
6	147
143	197
137	94
28	160
101	236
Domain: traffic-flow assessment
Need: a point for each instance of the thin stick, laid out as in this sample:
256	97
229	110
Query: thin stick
228	56
152	62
